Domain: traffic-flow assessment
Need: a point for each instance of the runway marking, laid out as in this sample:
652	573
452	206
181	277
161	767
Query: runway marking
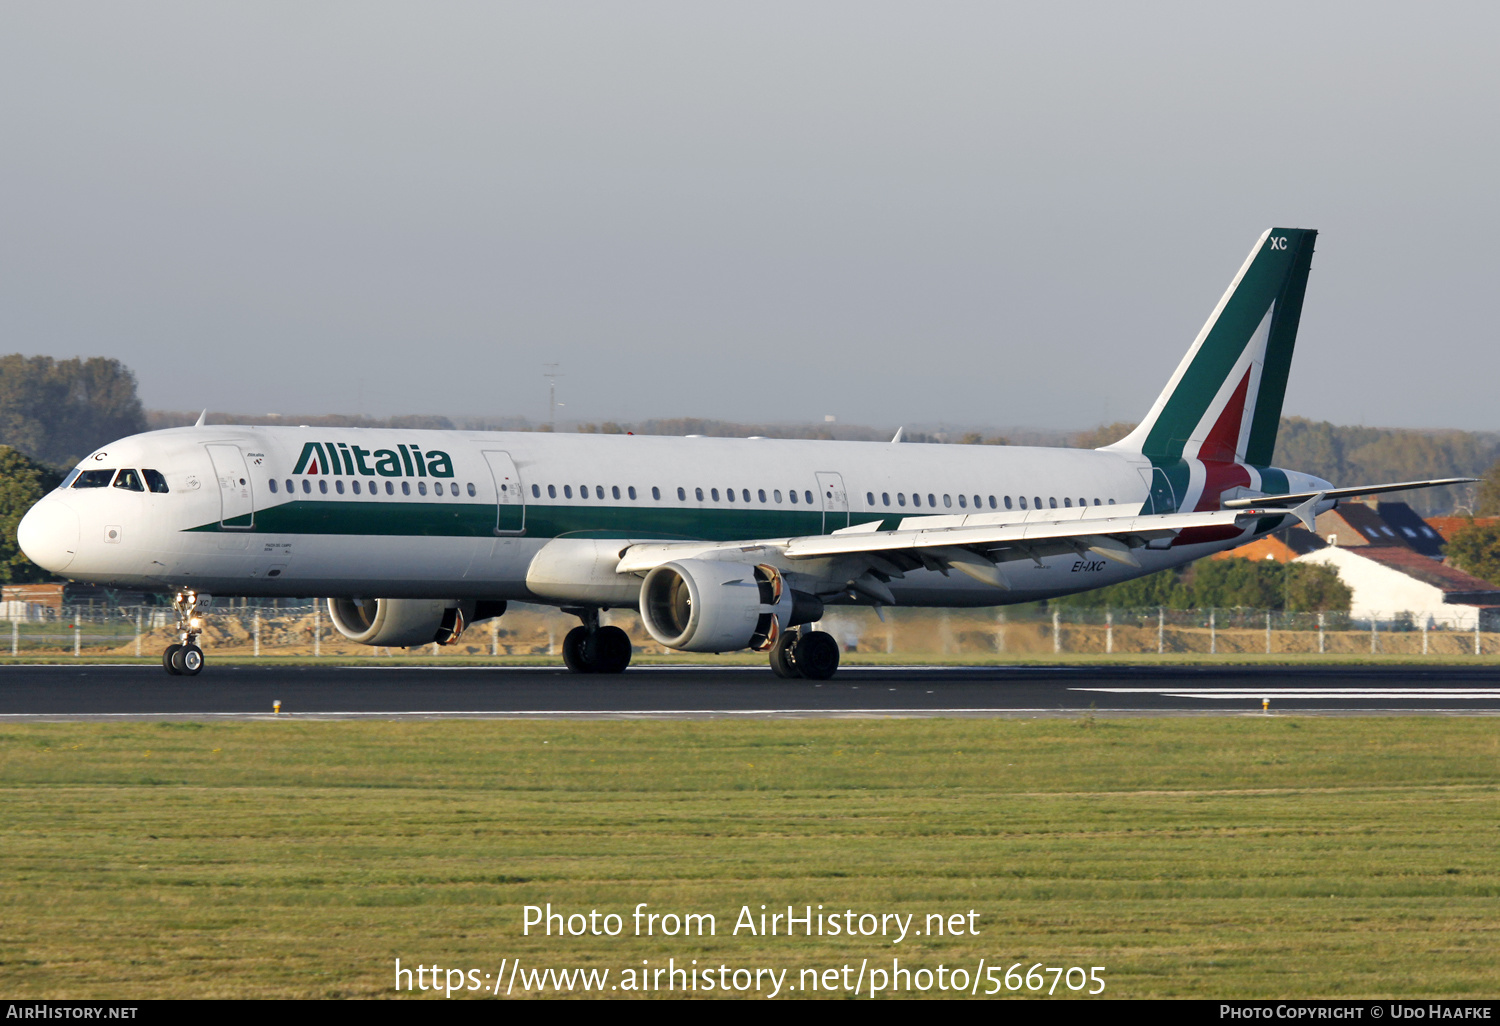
1462	694
284	714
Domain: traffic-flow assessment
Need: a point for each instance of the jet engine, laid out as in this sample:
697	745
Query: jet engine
701	605
402	623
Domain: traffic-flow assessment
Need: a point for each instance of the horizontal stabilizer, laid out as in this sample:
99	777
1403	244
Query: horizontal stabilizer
1298	498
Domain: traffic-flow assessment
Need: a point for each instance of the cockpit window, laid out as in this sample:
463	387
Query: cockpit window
67	482
129	480
155	481
94	479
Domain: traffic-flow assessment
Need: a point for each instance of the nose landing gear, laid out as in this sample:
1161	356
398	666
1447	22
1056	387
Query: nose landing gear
186	658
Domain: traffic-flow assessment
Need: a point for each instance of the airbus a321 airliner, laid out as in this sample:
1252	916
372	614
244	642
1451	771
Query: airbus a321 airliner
721	544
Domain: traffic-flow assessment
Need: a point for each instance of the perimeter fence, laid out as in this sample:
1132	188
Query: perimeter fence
235	628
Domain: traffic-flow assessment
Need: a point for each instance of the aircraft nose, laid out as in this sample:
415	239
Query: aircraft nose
48	534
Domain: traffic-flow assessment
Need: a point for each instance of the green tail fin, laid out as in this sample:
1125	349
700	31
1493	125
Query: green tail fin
1224	401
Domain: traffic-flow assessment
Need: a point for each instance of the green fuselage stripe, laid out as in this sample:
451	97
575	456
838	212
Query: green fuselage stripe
475	520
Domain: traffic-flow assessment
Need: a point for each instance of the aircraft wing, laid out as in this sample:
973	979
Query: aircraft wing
869	558
1297	498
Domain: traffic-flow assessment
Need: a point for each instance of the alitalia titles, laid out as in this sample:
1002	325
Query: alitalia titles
343	458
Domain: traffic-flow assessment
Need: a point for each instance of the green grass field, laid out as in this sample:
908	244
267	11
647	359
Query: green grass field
1213	857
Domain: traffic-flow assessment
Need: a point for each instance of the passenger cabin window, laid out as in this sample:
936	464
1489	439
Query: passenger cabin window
536	491
869	498
422	487
682	494
472	492
290	487
390	488
885	498
94	479
273	486
963	502
307	486
808	496
793	495
323	486
355	485
338	486
1067	502
761	494
745	494
405	487
655	492
599	492
931	500
776	494
947	501
615	491
567	491
901	498
715	493
699	493
630	491
1007	501
1023	502
157	482
916	498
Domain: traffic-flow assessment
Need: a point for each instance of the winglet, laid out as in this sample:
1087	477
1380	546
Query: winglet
897	437
1308	511
201	418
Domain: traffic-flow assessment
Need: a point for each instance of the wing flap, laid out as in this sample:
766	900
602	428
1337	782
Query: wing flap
906	549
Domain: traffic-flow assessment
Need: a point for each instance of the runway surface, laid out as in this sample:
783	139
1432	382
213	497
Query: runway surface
29	693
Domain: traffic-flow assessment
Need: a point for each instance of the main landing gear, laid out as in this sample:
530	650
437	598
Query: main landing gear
186	659
812	655
594	649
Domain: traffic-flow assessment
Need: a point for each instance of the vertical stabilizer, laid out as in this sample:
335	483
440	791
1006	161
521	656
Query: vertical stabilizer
1224	401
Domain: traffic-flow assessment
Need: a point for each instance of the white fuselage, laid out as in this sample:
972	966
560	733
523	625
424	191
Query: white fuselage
459	514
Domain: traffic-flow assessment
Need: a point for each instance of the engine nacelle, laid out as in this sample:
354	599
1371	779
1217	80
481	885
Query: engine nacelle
402	623
703	605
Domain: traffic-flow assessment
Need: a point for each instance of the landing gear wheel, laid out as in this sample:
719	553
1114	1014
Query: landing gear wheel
187	661
783	657
611	650
576	651
816	655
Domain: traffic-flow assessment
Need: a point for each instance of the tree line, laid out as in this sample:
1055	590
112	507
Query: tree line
1225	584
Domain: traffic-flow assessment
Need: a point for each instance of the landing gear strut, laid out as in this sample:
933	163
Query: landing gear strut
813	655
186	658
594	649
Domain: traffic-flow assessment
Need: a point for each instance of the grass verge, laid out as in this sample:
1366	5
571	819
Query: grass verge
1253	857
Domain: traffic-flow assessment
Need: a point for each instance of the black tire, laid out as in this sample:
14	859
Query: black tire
611	650
166	660
188	660
783	657
576	654
816	655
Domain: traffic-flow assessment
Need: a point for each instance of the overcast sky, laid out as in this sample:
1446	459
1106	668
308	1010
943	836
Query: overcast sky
892	213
